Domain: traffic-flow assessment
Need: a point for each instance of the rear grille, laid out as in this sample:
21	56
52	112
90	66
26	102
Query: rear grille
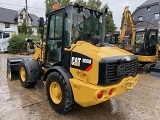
115	72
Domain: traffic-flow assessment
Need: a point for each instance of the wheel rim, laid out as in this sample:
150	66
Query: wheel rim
55	92
23	74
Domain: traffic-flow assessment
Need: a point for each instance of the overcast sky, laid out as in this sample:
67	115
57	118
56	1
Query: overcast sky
38	7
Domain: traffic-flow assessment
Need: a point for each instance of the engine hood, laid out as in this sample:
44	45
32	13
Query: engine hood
108	51
98	53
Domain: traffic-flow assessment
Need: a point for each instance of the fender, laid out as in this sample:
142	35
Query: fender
60	69
64	72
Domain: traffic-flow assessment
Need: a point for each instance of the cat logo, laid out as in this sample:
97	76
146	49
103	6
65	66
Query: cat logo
76	61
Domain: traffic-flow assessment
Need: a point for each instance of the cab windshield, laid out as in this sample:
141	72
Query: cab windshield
140	37
83	24
145	44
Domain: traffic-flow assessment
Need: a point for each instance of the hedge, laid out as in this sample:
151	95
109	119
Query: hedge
17	43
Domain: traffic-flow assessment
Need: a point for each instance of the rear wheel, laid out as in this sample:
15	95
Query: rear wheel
59	94
24	77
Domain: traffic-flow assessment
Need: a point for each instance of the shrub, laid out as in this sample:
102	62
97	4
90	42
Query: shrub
35	38
17	44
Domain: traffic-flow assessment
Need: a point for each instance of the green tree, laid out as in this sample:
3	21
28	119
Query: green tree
94	4
17	44
50	3
97	5
110	26
81	2
29	32
24	27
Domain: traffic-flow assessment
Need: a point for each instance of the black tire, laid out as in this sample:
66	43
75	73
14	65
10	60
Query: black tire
24	79
66	103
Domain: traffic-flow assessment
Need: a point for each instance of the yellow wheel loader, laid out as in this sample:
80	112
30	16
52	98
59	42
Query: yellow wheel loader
75	64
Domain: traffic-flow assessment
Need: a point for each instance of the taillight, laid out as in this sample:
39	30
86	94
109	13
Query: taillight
100	95
111	91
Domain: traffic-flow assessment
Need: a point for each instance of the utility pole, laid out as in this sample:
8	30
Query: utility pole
159	14
27	22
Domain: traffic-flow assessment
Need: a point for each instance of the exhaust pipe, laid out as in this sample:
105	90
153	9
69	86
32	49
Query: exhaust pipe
103	27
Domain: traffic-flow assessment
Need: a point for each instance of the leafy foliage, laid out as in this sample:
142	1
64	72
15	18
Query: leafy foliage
35	38
94	4
17	43
26	29
50	3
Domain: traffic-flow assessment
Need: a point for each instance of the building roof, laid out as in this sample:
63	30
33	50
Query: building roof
145	4
9	16
149	2
35	19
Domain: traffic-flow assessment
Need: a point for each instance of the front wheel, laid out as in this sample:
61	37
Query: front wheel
59	93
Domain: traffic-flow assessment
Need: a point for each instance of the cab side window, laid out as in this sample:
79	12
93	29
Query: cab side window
54	41
56	26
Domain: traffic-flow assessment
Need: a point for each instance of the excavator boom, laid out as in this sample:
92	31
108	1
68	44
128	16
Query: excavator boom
127	21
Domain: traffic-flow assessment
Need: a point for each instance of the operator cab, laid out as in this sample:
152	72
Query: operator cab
146	41
67	26
112	38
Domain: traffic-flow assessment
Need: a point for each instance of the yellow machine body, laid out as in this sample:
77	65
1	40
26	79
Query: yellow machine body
84	83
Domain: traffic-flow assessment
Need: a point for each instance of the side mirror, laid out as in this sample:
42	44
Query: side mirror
41	22
41	25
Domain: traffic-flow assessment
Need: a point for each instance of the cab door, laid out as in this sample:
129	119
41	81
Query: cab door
54	38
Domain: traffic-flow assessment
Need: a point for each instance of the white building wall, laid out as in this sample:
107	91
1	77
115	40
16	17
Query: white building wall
2	25
14	26
20	21
34	29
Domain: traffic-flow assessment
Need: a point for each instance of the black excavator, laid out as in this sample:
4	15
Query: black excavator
143	42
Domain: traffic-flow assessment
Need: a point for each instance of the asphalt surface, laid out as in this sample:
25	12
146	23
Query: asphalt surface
18	103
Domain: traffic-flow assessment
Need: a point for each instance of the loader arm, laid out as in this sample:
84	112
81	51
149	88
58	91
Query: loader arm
127	21
39	52
159	48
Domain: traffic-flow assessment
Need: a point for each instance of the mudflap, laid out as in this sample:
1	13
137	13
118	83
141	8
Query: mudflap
155	70
13	68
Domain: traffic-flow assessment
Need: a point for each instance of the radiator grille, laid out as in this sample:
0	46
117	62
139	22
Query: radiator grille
115	72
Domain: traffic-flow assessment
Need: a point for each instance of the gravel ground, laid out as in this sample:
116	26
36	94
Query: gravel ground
18	103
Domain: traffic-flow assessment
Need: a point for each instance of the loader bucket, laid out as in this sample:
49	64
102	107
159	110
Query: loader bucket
13	68
155	71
